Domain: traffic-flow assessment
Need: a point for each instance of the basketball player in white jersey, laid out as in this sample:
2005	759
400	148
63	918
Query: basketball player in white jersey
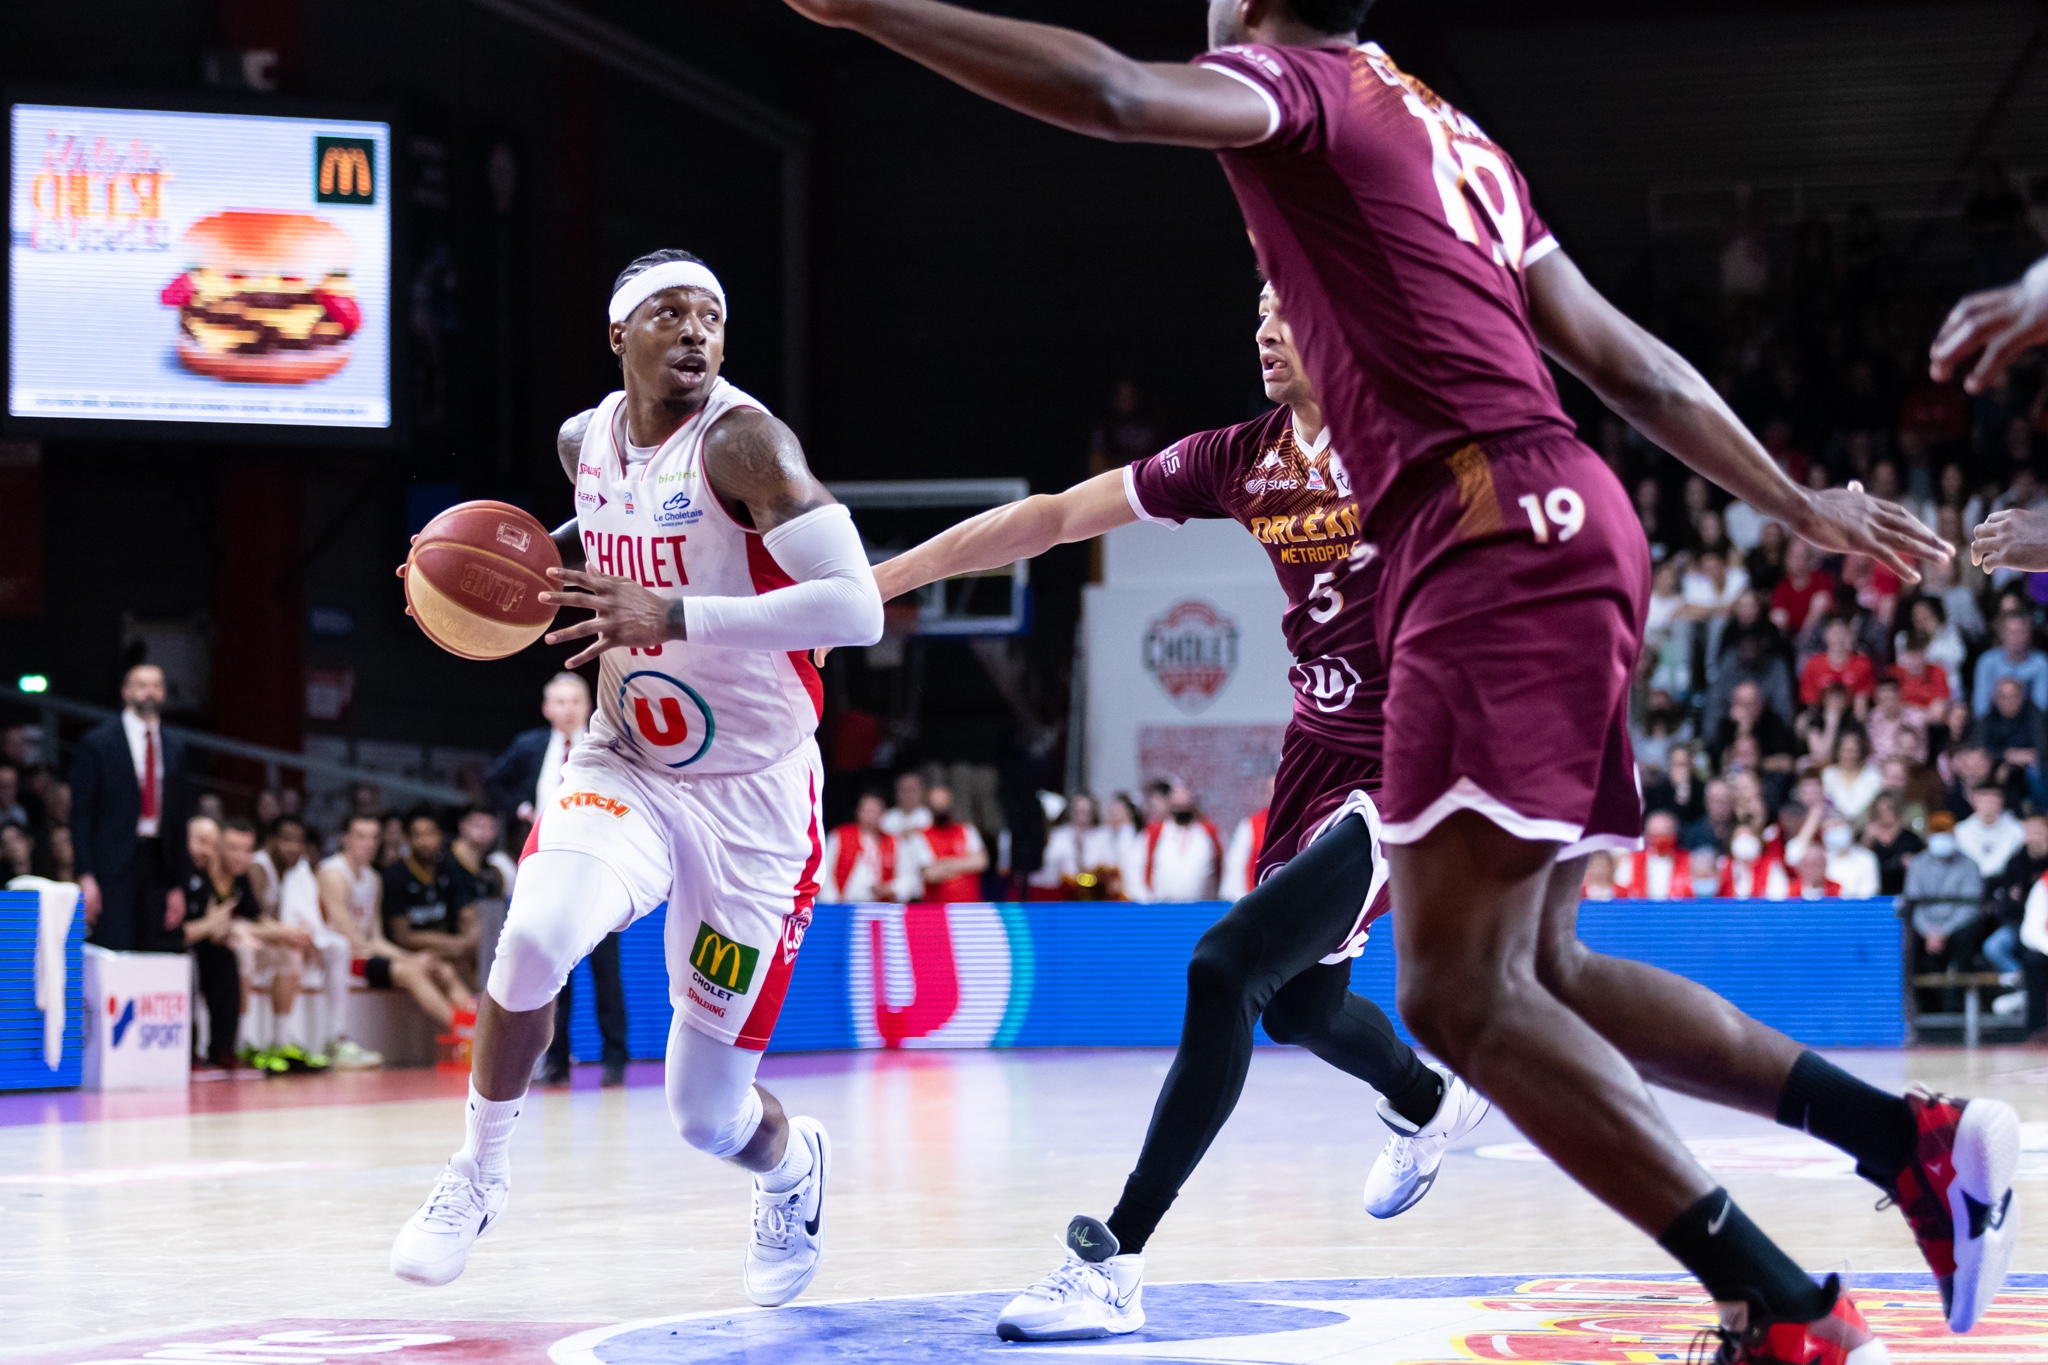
352	902
714	562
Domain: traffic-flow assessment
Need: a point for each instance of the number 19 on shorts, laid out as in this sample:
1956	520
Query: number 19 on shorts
1561	511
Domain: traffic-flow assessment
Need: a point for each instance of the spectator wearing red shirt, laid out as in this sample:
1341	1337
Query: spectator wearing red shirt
1923	688
1805	590
1811	881
948	855
1658	871
1839	663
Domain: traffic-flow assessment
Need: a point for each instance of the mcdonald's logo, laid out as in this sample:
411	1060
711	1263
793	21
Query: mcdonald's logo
344	170
722	962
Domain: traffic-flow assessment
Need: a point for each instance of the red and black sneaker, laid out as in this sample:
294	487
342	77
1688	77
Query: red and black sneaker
1840	1338
1957	1195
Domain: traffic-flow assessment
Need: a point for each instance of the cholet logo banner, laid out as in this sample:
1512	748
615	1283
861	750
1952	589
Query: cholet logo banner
923	976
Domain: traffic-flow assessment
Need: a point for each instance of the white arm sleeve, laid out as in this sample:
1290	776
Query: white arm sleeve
833	602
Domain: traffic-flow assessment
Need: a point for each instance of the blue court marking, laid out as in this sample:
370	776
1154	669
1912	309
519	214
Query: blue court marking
1257	1315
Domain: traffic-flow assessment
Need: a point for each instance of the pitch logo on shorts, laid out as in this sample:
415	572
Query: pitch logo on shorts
723	963
666	717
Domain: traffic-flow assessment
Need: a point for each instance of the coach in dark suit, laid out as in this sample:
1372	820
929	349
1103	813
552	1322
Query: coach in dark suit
128	810
520	782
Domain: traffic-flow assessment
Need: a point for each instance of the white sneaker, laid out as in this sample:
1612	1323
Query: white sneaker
2010	1005
1407	1165
1095	1293
433	1246
788	1239
349	1055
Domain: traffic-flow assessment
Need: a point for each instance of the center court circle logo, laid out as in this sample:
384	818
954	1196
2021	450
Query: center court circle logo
664	716
1420	1320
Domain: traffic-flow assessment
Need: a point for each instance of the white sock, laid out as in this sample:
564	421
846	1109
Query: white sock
487	1133
786	1174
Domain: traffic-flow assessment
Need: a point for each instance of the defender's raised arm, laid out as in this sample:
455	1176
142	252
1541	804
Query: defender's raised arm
1062	77
1660	394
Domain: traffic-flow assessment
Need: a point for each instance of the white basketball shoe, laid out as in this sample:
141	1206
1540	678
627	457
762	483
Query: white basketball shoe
788	1239
1096	1292
1407	1166
433	1246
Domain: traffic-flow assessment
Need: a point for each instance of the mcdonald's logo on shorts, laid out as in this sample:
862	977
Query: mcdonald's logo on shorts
722	962
344	170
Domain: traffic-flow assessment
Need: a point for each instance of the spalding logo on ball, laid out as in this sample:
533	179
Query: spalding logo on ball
474	579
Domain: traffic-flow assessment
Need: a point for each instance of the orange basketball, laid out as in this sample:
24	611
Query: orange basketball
474	579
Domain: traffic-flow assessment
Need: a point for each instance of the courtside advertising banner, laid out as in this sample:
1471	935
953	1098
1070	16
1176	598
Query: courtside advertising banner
197	267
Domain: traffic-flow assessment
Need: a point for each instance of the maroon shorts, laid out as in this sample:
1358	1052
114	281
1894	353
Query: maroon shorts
1511	614
1311	790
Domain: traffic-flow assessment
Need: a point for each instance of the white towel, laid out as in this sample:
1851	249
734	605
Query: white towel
60	902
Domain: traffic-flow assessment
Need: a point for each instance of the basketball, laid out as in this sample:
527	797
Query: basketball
474	579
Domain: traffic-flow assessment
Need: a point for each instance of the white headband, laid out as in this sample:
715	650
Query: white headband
667	275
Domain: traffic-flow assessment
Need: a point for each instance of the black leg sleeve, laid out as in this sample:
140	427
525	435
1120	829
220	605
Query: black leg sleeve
611	998
1278	931
220	985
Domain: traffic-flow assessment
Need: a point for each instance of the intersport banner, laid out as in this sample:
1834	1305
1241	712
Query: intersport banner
1114	974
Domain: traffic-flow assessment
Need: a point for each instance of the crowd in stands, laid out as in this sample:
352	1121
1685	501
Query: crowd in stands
1811	726
1160	847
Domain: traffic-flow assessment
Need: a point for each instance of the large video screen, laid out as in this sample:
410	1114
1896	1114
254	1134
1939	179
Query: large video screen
191	267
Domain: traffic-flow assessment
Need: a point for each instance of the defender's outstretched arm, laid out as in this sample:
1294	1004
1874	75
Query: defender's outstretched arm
1003	535
1062	77
1665	398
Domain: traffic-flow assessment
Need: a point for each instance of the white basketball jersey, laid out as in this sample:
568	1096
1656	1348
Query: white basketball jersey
683	708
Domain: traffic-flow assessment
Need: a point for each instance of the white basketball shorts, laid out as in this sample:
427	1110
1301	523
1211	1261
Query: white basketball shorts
734	858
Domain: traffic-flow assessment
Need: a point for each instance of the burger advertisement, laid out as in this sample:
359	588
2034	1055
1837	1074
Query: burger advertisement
208	268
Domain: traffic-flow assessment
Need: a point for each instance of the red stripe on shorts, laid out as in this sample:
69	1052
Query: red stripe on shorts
767	1009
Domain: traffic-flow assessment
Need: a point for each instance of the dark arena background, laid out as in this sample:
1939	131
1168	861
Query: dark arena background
288	279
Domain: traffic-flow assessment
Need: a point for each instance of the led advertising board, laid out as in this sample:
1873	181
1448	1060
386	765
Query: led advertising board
185	267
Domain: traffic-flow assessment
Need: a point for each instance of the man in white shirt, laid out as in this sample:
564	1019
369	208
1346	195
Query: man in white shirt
1990	836
910	812
527	773
1850	865
1183	855
1243	852
863	862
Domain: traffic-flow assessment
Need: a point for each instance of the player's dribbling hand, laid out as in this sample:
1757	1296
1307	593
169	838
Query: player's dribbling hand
1999	322
624	615
1850	521
2012	539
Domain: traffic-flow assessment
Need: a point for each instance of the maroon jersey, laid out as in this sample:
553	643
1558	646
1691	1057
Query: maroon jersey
1300	505
1396	233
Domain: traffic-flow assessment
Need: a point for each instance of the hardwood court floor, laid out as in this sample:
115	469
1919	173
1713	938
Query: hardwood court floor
130	1222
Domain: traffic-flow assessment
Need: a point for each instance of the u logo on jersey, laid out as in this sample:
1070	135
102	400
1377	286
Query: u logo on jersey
664	715
1328	683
